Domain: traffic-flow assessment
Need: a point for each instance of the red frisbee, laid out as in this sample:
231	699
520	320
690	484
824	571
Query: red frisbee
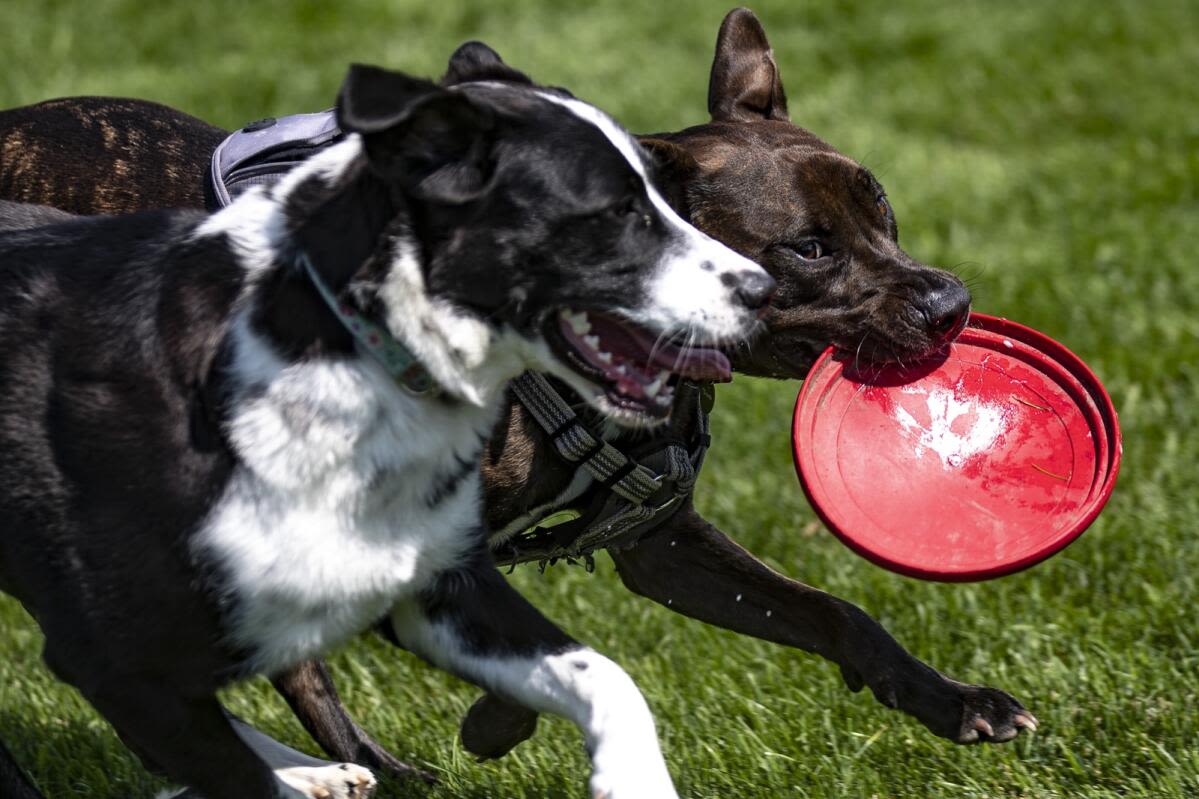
981	462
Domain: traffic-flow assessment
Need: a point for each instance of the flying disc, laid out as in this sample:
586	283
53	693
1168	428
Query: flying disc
983	461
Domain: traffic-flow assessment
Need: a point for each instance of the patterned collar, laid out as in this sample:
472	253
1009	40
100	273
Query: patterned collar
394	357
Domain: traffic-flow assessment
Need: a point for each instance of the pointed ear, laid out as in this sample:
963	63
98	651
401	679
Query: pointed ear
675	168
434	142
745	85
475	61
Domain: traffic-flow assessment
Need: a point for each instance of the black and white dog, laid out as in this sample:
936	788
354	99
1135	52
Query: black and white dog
222	453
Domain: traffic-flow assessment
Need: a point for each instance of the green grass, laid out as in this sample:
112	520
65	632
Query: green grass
1048	150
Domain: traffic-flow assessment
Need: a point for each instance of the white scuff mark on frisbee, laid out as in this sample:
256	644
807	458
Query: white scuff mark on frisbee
938	436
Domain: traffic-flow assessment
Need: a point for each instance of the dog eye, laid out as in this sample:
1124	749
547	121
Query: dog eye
809	250
884	207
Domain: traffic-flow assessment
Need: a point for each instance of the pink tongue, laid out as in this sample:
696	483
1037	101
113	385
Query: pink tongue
695	363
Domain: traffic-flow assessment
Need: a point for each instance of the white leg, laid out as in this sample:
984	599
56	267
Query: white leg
476	626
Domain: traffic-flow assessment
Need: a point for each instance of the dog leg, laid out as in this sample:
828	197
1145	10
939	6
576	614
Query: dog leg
472	623
694	569
191	739
309	690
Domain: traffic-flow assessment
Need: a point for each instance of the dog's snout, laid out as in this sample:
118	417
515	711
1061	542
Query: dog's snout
945	309
752	288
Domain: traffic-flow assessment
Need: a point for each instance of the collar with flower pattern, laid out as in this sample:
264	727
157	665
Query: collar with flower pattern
394	357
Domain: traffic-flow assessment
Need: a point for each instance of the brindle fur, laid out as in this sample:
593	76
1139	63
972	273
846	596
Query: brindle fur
87	155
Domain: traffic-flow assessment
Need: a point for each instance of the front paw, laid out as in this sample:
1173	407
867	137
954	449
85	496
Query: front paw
965	714
989	715
334	781
493	728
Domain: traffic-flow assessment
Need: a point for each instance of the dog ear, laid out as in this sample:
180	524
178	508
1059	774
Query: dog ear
434	142
675	168
475	61
745	85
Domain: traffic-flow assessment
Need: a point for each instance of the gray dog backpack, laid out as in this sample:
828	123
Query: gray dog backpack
260	153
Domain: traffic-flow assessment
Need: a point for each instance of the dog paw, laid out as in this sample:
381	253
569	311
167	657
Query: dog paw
991	716
965	714
334	781
493	727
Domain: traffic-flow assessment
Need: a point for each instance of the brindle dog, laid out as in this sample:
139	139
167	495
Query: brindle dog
815	219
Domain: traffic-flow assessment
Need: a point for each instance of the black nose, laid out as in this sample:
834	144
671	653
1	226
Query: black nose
755	289
945	310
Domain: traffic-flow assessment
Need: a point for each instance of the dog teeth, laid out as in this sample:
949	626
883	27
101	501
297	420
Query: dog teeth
652	389
592	341
578	322
604	357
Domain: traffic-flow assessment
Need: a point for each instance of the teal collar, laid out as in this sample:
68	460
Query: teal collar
394	357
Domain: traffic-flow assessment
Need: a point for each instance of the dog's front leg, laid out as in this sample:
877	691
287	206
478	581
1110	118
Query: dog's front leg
469	621
309	690
695	569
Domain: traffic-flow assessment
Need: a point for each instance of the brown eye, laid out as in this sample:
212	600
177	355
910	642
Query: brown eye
884	207
810	250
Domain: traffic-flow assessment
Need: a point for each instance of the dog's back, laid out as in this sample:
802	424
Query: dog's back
104	138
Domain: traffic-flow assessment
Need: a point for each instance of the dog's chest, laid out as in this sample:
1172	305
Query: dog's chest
348	497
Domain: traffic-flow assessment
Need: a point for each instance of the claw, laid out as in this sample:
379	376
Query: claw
983	726
1026	720
1006	735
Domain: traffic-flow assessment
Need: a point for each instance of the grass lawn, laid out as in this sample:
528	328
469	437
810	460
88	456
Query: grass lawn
1049	151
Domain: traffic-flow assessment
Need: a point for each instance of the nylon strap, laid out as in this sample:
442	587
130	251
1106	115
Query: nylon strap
617	517
575	443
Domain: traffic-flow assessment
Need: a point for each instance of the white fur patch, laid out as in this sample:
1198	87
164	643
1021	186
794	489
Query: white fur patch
580	685
253	228
452	344
688	292
253	223
325	520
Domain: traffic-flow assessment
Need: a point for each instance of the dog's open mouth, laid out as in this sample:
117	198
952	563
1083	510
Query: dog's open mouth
636	369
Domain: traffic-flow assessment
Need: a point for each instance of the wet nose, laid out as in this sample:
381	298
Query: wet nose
945	309
754	289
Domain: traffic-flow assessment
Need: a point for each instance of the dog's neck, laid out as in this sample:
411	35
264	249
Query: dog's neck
355	231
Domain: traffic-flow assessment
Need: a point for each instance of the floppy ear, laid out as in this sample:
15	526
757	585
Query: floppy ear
475	61
434	142
675	168
745	84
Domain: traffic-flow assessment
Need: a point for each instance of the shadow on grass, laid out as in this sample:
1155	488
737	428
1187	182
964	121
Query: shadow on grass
75	758
80	758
